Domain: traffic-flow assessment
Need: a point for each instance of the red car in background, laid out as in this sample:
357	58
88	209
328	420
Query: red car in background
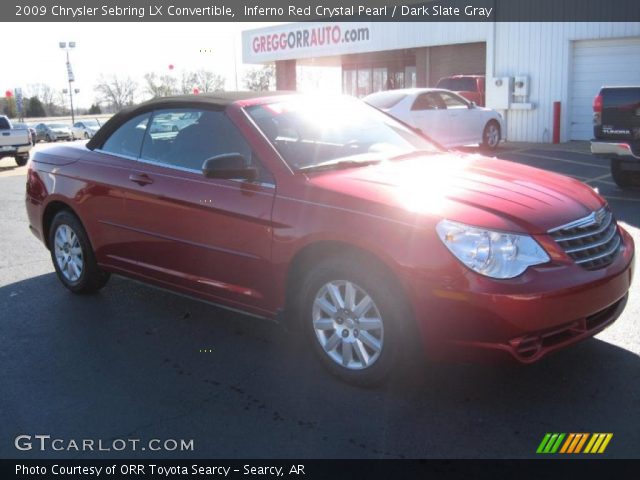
471	87
337	218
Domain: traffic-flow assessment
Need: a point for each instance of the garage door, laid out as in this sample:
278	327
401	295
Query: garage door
447	60
597	63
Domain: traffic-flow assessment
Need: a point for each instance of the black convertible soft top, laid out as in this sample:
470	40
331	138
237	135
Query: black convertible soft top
217	101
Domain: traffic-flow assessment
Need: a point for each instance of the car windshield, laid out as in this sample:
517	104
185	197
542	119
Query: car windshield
465	84
309	132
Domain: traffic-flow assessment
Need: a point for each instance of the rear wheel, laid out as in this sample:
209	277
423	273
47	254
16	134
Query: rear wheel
21	160
72	255
354	319
624	178
491	135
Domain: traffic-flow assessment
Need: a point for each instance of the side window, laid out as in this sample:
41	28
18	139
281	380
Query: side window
428	101
185	138
453	101
127	140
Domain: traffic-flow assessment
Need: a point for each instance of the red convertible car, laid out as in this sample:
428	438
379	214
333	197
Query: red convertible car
336	218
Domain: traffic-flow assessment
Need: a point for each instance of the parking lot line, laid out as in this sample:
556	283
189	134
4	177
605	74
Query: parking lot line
599	179
564	160
622	199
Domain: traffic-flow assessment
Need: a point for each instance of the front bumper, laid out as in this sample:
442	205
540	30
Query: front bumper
544	310
613	149
61	136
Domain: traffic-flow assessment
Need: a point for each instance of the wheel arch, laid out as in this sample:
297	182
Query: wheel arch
50	211
316	252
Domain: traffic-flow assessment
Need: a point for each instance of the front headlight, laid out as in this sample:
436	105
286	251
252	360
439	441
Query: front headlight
494	254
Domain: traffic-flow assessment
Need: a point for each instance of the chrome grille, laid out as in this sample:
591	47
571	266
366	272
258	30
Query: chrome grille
592	242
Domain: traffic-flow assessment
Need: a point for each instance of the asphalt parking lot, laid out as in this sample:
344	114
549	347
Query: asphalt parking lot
135	362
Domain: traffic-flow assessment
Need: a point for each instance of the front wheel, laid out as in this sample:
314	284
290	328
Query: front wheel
624	178
21	160
491	135
72	255
354	319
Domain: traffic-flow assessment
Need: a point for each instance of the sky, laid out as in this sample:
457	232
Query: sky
126	49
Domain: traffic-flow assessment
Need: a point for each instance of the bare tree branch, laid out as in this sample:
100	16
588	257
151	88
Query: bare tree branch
260	79
117	92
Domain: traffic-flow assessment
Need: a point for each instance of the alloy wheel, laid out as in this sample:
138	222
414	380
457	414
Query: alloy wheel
491	135
348	324
68	253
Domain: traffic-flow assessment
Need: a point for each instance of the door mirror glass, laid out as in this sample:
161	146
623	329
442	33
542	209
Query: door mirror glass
229	166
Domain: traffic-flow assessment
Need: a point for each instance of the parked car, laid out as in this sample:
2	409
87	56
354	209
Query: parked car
616	131
85	129
14	142
333	217
52	132
471	87
442	115
32	131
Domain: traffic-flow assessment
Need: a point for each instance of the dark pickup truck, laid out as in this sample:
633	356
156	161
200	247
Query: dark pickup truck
616	128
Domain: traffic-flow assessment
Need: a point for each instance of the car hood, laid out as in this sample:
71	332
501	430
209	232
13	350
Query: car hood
470	189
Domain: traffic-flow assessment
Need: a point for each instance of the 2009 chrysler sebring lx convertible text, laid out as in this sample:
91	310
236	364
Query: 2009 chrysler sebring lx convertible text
341	220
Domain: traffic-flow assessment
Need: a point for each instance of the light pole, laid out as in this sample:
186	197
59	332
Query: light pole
63	45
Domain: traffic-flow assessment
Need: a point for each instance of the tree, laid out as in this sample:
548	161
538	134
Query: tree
260	79
95	109
187	82
46	95
204	80
207	81
115	91
62	103
34	107
9	107
160	85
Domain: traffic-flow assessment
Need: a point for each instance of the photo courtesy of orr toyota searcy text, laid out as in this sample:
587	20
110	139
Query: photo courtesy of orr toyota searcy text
165	471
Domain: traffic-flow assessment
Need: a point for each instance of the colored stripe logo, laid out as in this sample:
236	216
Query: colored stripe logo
574	443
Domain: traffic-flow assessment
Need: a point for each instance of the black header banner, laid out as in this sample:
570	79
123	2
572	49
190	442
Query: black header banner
313	10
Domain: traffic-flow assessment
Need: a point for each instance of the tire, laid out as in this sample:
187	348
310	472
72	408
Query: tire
21	160
624	178
358	355
70	247
86	136
491	135
48	138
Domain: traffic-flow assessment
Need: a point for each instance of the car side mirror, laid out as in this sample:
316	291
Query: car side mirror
229	166
472	104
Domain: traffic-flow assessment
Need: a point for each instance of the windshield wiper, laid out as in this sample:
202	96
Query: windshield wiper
337	164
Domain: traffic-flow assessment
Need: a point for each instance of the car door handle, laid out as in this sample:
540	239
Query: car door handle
141	179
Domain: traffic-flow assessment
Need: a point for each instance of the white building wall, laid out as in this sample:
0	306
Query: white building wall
543	51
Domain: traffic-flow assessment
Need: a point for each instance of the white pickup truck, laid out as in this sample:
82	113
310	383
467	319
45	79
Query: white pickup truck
14	142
